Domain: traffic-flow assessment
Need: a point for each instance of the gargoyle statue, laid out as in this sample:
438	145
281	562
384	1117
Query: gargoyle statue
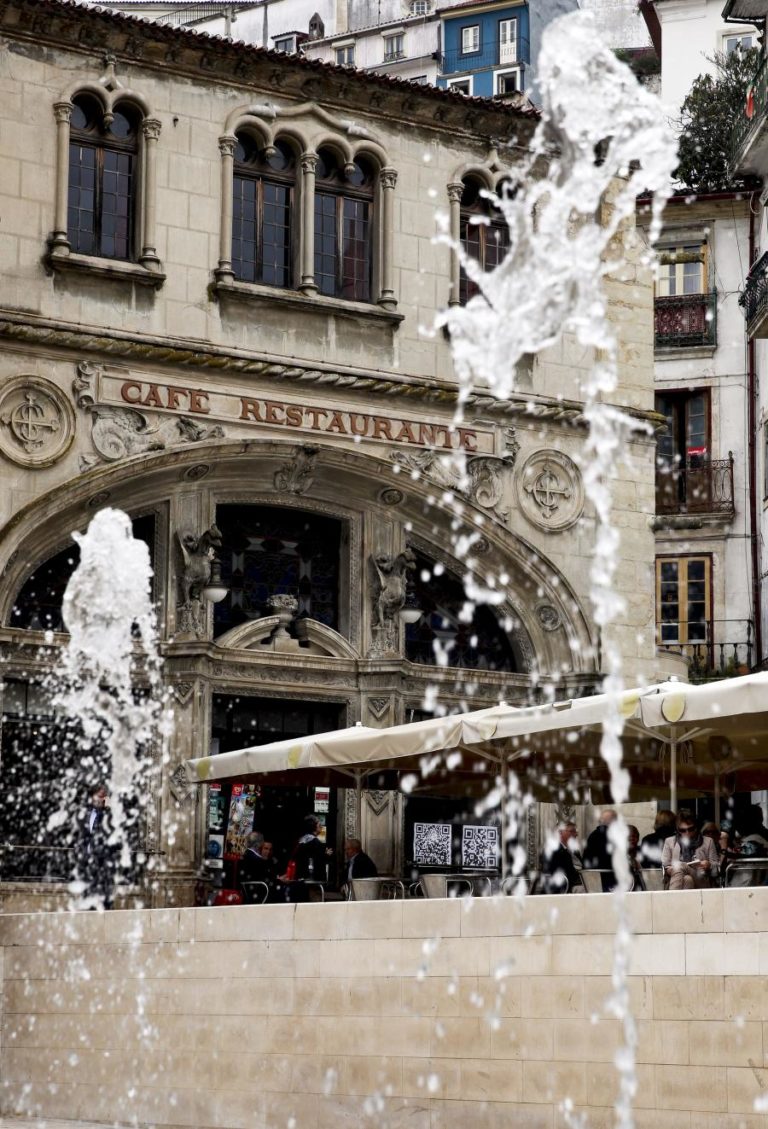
392	577
198	555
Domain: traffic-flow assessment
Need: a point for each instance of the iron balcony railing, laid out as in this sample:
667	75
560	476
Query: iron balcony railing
754	300
751	118
726	649
685	320
491	54
704	486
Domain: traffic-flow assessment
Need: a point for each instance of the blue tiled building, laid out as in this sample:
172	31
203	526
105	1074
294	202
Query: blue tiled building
489	48
485	47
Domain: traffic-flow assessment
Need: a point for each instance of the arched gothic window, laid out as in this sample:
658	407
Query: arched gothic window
479	644
483	232
263	188
103	179
344	227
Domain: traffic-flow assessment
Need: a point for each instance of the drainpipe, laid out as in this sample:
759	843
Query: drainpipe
754	530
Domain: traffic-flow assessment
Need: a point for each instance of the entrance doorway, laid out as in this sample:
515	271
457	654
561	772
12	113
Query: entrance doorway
278	813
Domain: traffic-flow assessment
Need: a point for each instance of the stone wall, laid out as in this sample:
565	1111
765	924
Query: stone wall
425	1014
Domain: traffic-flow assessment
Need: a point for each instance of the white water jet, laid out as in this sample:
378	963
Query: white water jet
603	139
107	686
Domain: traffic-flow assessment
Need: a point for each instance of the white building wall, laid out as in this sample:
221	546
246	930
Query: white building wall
692	31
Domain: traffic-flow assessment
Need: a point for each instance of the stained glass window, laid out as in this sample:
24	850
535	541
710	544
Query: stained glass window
479	644
271	550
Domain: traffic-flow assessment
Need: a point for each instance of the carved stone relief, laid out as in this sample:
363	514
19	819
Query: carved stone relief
549	617
378	706
296	476
551	491
118	433
37	424
198	556
488	477
389	588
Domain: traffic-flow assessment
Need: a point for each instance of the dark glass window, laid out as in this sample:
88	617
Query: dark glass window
102	180
269	551
481	644
343	232
486	242
262	209
38	604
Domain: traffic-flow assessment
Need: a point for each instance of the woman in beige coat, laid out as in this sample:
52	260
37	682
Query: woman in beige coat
689	858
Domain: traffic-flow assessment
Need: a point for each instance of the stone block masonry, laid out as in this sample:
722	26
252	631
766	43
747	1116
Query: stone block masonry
422	1014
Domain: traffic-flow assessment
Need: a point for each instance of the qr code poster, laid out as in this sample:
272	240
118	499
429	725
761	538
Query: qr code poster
432	844
480	847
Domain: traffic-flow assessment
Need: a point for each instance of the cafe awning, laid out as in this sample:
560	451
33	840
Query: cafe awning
690	734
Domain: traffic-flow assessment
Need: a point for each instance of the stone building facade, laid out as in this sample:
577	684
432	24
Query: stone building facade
165	380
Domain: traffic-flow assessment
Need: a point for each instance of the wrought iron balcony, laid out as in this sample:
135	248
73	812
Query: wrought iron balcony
491	54
754	300
704	487
749	140
685	321
726	650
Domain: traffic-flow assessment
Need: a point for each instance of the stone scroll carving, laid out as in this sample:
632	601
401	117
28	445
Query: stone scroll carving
488	477
118	433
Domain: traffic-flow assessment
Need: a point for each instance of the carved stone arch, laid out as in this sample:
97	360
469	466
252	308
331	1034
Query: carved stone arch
295	137
248	123
338	145
319	638
369	149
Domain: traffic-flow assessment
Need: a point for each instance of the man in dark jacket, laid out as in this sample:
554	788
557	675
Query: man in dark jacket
558	869
97	853
598	851
359	864
664	826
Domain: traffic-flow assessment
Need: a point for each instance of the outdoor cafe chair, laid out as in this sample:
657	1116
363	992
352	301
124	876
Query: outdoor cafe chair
593	880
746	872
256	892
436	885
383	886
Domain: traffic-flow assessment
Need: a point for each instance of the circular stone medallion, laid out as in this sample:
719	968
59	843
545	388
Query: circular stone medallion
551	491
37	423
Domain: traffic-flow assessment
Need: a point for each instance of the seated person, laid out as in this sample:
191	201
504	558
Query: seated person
651	844
558	863
257	865
310	855
690	859
359	864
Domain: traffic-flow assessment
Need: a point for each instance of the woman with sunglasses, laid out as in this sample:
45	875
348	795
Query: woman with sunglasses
689	859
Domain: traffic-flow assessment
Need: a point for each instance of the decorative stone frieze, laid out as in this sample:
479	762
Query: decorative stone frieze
551	491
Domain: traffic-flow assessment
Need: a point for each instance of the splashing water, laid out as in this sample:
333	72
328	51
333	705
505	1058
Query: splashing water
112	650
602	141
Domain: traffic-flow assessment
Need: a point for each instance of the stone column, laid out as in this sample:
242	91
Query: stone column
387	181
181	813
150	127
224	271
455	192
62	112
307	241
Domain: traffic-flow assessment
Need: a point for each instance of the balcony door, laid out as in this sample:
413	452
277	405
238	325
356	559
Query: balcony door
507	41
683	452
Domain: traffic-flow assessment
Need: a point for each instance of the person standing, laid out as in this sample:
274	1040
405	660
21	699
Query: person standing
558	865
599	849
97	856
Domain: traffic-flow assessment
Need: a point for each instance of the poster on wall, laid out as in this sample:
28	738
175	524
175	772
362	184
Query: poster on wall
215	808
432	844
215	852
241	812
480	847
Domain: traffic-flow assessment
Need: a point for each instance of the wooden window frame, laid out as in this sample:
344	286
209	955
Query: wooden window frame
97	141
484	232
476	50
343	192
677	256
261	175
707	558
